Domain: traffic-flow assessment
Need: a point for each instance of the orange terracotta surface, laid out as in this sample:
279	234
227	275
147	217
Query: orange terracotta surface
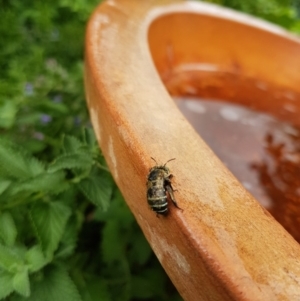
223	245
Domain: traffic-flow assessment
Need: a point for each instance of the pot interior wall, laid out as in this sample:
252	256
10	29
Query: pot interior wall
213	64
218	58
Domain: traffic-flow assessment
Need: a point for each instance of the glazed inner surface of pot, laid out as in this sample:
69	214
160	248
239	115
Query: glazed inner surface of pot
246	113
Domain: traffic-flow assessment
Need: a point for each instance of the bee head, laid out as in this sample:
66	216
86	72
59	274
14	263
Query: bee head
162	168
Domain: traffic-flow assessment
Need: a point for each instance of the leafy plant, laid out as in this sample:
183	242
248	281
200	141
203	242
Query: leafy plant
282	12
39	221
61	215
54	239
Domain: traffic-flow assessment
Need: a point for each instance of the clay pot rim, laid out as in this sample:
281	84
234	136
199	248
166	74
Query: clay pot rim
214	10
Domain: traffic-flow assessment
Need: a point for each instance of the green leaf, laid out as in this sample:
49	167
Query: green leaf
35	166
70	237
98	189
35	258
8	112
56	285
121	281
21	283
10	259
112	245
71	144
71	160
118	210
29	118
54	107
8	229
3	185
14	162
47	182
6	284
89	137
49	221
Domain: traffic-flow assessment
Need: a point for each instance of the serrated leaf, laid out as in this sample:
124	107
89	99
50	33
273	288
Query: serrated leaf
69	239
71	160
49	221
4	184
98	189
10	259
14	162
110	235
52	182
35	166
6	284
71	144
8	229
21	283
35	258
56	285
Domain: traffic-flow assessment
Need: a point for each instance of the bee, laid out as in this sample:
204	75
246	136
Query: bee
158	185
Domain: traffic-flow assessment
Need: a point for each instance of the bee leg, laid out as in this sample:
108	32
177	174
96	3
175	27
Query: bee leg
168	183
170	191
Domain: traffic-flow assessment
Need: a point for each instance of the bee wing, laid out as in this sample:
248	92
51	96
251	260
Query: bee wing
171	193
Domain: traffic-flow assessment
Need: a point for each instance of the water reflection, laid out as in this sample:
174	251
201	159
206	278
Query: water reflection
261	151
280	177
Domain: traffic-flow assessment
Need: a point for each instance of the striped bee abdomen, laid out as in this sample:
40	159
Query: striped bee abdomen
158	186
157	200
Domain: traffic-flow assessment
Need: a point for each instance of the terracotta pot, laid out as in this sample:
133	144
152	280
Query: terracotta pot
223	245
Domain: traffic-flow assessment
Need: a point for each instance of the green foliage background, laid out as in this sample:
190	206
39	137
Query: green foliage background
65	230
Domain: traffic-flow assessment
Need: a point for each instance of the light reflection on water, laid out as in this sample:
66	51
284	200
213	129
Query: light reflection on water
260	150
